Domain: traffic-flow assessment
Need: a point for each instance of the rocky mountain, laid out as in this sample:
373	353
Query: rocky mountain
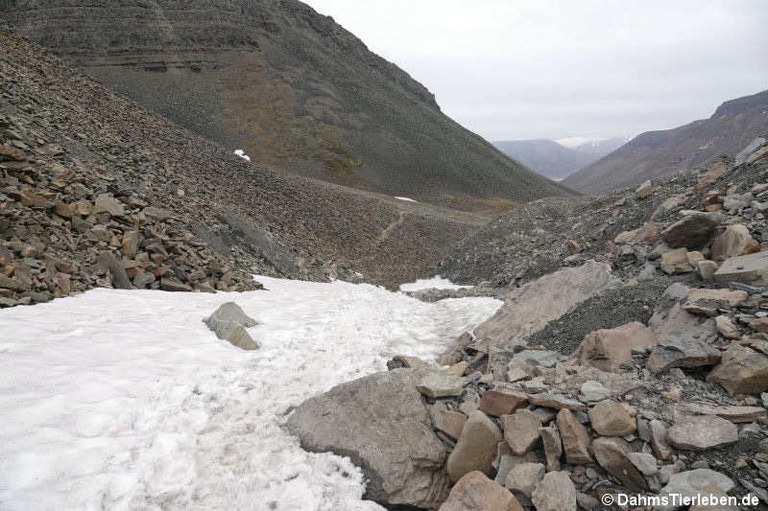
732	127
546	157
289	86
599	147
96	191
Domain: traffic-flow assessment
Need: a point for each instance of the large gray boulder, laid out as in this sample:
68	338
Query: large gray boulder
382	423
229	323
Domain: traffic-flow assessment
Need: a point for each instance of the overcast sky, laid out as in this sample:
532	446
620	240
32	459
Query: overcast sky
520	69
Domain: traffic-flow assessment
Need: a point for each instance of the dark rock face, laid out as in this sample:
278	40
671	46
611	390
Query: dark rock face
288	85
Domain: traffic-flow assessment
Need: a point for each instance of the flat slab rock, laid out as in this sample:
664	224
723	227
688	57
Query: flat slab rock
475	492
702	432
382	424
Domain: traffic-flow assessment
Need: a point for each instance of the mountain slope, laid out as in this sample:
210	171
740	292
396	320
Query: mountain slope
76	140
661	153
291	87
546	157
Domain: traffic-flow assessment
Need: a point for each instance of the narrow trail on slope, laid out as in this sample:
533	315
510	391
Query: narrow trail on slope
142	407
392	226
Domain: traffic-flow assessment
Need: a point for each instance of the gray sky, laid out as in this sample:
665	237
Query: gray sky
519	69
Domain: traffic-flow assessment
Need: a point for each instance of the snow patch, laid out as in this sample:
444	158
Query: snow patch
241	154
405	199
125	400
433	283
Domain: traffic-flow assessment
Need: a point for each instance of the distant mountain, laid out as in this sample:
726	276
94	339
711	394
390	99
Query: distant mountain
291	87
546	157
600	147
662	153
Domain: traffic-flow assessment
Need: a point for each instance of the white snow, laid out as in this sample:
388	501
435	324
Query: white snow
406	199
573	142
433	283
125	400
241	154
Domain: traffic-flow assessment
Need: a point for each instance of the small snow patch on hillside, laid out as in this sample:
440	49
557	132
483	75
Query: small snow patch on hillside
241	154
405	199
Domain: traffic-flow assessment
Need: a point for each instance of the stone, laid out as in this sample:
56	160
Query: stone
644	462
759	325
458	369
382	424
734	241
736	201
555	492
498	402
749	269
541	358
130	244
174	286
735	414
726	327
676	261
63	209
610	418
712	174
574	437
451	423
108	204
644	190
521	430
553	447
476	447
555	401
608	349
524	477
699	433
682	352
593	391
143	279
529	308
11	283
611	454
707	302
157	213
706	269
742	370
659	443
229	322
475	492
400	361
120	278
694	231
692	483
436	384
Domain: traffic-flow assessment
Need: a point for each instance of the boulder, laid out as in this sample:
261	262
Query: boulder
524	477
521	430
749	269
692	483
610	418
475	492
449	422
437	384
706	269
644	190
107	203
734	241
498	402
608	349
575	438
382	424
742	370
708	302
611	454
555	492
735	414
644	462
229	322
694	231
726	328
676	261
699	433
684	351
476	448
593	391
528	309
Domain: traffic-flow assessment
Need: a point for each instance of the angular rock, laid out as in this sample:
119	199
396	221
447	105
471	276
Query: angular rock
229	322
120	278
174	286
106	203
130	243
699	433
734	241
610	418
749	269
694	231
529	308
381	423
555	492
521	430
451	423
661	447
541	358
476	448
553	447
707	302
608	349
735	414
683	352
157	213
645	463
593	391
676	261
524	477
555	402
575	438
436	384
611	454
726	327
706	269
692	483
741	371
498	402
475	492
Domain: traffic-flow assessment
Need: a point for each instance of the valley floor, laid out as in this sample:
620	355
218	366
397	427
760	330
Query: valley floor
125	400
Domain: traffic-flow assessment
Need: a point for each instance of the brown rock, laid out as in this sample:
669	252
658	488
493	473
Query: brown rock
701	433
475	492
611	454
741	371
661	447
502	402
676	261
451	423
750	269
734	241
130	243
553	447
607	350
524	477
575	438
34	200
555	402
707	302
63	210
693	231
610	418
706	269
759	325
712	174
521	430
684	351
735	414
726	327
476	448
108	204
555	492
173	285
